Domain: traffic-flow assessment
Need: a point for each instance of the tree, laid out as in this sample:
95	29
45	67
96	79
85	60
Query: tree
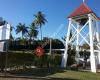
22	28
56	43
85	46
40	20
2	22
32	32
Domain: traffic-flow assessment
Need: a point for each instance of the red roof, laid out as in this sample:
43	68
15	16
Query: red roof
83	9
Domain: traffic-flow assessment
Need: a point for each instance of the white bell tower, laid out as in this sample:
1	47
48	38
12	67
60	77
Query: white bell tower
83	23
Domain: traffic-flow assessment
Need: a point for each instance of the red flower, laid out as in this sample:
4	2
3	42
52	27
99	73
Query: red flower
39	51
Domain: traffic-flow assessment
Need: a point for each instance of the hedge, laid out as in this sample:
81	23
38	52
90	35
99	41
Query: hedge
23	60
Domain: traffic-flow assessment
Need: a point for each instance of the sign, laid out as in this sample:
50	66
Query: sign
4	36
5	32
39	51
3	46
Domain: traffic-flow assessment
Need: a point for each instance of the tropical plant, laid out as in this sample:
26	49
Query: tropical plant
40	20
32	32
2	22
22	28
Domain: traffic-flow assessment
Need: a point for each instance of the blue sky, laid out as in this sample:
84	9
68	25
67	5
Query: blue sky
56	11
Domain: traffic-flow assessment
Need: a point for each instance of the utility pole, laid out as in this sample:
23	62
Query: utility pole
50	51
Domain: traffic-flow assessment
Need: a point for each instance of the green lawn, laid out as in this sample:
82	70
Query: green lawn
77	75
55	74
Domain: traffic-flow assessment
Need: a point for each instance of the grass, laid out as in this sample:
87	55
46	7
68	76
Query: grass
77	75
54	74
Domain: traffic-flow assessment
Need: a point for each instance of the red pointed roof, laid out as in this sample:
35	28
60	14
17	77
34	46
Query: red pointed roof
83	9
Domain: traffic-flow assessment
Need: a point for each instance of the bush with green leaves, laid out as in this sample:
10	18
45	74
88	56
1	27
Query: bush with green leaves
23	60
16	60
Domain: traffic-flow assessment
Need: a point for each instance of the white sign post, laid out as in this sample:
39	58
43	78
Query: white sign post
4	38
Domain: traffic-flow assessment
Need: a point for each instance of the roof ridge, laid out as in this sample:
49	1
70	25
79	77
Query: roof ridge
82	9
87	7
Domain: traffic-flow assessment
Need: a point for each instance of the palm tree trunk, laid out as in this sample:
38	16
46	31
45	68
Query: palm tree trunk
30	40
22	35
41	32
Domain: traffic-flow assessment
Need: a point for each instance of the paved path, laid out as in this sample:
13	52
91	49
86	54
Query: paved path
46	78
19	78
15	79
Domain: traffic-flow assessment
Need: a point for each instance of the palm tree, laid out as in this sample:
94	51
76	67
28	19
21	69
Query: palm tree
32	32
22	28
40	20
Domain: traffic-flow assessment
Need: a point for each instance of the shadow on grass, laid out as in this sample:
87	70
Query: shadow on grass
36	72
49	78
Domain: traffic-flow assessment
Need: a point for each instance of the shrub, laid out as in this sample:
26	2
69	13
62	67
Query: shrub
22	60
16	60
